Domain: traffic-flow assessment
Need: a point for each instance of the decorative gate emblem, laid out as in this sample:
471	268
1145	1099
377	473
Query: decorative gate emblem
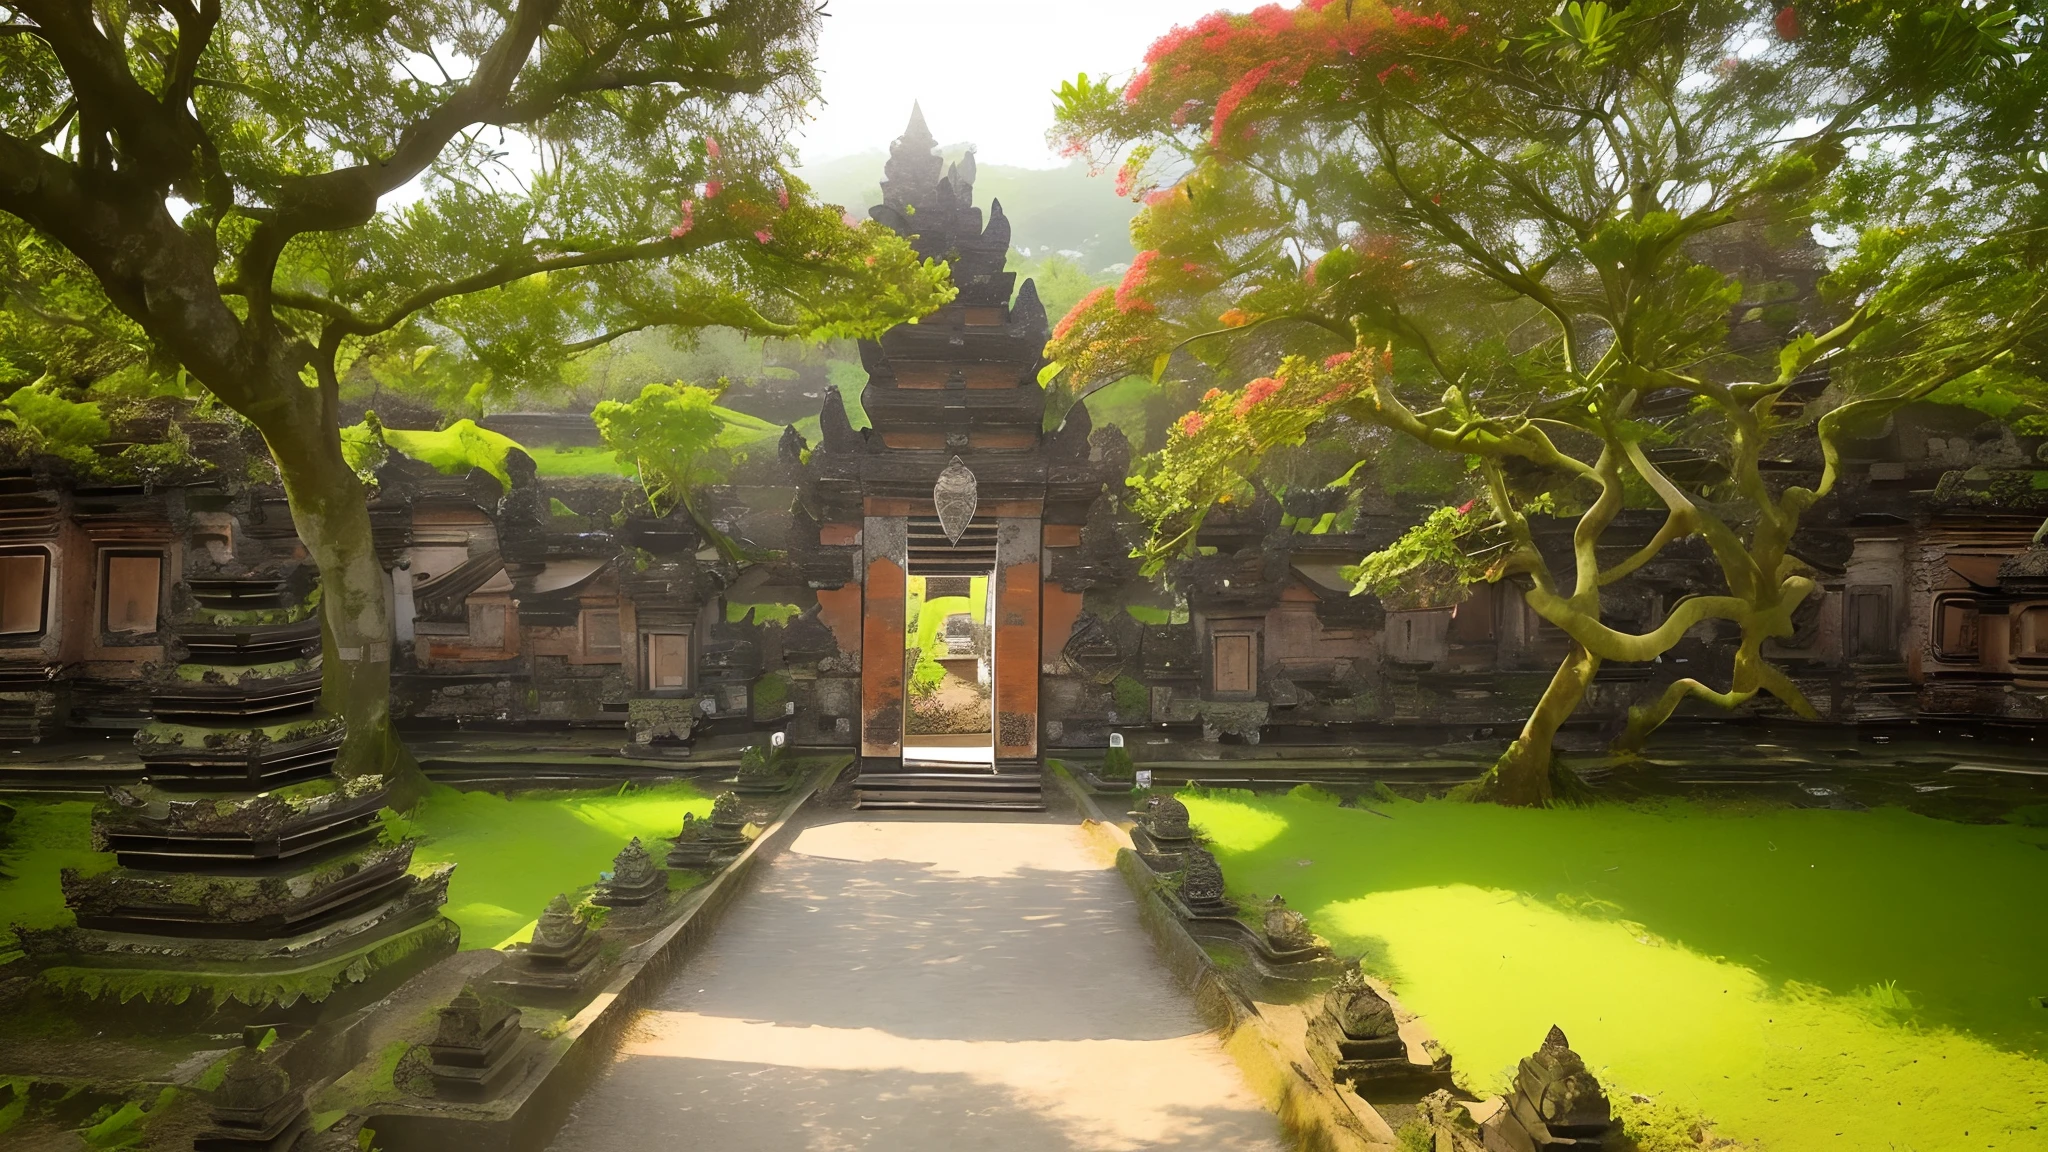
956	495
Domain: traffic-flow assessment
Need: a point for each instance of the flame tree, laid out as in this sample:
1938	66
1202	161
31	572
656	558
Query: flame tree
263	194
1500	231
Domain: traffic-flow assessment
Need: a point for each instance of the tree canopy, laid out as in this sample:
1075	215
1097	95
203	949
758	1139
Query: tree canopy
263	197
1574	251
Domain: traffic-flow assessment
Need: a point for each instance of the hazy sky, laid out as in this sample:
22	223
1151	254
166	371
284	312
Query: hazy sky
984	69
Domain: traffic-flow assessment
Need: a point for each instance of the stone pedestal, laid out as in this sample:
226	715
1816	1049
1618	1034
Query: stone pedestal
1356	1039
637	882
1162	836
1201	886
478	1049
1554	1103
559	963
254	1109
711	843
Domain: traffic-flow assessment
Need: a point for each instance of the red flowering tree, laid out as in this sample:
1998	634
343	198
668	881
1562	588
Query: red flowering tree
1565	246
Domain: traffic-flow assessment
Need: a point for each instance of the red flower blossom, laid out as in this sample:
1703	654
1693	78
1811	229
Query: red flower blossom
686	219
711	147
1073	315
1211	394
764	235
1255	393
1335	362
1787	23
782	198
1233	96
1191	424
1127	298
1466	507
712	188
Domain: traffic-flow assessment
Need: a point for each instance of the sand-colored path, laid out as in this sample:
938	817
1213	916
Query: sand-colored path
925	984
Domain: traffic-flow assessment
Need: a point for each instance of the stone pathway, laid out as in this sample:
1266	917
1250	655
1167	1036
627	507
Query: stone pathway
925	984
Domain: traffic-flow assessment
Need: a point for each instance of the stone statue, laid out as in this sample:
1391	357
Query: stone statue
1286	929
1201	885
476	1048
255	1106
1554	1100
1166	818
636	879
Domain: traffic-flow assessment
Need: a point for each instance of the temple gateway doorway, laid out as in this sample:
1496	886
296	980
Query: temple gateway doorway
949	654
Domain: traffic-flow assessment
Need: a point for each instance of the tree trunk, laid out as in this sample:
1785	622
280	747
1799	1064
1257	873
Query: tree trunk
1525	774
330	508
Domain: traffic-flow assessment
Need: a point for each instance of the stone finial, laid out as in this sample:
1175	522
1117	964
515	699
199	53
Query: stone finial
1564	1092
1166	818
1286	929
694	827
632	865
1360	1010
1201	885
558	927
725	810
470	1019
254	1107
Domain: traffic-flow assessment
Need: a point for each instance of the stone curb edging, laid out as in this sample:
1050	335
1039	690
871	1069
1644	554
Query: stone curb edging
527	1118
1313	1110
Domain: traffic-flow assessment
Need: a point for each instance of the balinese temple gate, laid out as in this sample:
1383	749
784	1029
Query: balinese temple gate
955	479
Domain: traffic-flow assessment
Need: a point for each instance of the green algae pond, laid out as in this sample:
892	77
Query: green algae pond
1794	978
512	852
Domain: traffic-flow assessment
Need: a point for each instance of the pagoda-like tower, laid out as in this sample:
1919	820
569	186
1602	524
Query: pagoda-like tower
955	393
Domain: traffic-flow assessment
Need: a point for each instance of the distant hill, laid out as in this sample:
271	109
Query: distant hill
1050	209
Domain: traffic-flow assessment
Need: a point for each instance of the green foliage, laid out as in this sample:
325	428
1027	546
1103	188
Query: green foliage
770	693
458	449
1132	697
1425	565
1117	765
676	435
1416	1136
565	463
769	614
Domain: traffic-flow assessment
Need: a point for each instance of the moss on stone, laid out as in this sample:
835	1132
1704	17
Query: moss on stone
254	985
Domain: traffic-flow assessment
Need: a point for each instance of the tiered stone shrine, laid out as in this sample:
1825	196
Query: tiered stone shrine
255	1109
1162	835
478	1048
711	843
636	882
1356	1039
559	963
1554	1103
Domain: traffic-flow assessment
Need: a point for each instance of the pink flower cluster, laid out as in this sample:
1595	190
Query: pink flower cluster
1127	297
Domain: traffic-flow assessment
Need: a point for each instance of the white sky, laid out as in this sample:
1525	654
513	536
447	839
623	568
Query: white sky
984	70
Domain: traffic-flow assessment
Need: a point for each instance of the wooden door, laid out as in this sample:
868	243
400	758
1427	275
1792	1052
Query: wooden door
1232	664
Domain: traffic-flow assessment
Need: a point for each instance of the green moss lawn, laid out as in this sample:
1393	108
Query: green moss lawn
514	853
1805	979
44	837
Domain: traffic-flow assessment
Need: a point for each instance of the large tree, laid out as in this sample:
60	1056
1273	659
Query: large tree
269	192
1563	246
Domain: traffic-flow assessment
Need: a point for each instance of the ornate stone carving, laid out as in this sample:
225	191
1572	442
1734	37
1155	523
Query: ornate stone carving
1286	929
254	1108
636	879
1201	884
476	1048
956	494
1555	1100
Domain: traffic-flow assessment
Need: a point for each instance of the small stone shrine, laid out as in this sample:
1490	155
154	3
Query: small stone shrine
255	1108
1201	885
1162	836
636	880
1356	1040
1288	930
1554	1103
711	843
477	1050
560	961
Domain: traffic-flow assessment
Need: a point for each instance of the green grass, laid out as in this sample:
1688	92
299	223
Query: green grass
1804	978
45	836
513	854
562	463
